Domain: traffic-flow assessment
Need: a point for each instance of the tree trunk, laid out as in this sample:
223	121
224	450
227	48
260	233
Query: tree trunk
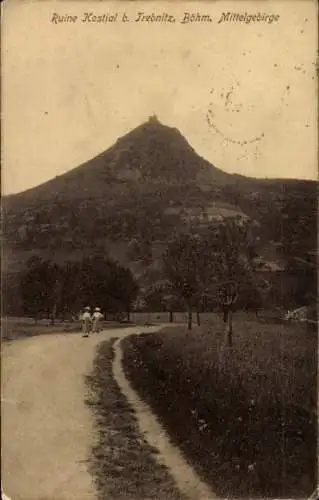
230	328
171	317
190	319
128	315
225	314
148	321
198	318
228	324
53	315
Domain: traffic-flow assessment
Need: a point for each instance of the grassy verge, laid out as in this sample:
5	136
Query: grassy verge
15	329
122	463
245	417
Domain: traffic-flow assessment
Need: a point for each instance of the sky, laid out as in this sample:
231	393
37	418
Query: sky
243	95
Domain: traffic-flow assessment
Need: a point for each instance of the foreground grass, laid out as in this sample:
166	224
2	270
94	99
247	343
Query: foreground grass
122	463
245	417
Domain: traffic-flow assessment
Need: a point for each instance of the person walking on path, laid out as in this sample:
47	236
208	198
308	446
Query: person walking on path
86	322
97	318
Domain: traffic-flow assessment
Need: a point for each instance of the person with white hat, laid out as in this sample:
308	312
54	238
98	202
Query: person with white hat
86	321
96	317
4	497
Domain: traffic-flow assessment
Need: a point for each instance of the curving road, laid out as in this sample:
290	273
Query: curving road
46	428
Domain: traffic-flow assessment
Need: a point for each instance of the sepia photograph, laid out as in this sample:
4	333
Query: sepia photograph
159	250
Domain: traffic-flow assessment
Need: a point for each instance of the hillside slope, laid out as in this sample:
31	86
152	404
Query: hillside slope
129	199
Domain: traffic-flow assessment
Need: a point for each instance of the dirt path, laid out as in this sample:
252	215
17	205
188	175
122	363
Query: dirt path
46	428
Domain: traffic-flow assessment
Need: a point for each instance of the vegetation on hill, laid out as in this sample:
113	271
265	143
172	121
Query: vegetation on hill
129	201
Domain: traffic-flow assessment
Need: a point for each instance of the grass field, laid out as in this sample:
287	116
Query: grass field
244	416
13	327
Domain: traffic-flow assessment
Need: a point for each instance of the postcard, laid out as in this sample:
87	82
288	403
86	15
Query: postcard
159	270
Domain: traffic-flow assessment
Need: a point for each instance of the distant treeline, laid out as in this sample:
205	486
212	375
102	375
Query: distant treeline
203	269
46	289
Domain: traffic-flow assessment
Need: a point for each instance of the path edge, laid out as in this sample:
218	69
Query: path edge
185	477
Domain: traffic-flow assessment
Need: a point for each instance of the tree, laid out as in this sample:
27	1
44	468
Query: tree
11	294
170	301
104	282
153	297
47	287
125	288
39	288
214	264
233	252
180	268
71	288
228	296
184	261
55	286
